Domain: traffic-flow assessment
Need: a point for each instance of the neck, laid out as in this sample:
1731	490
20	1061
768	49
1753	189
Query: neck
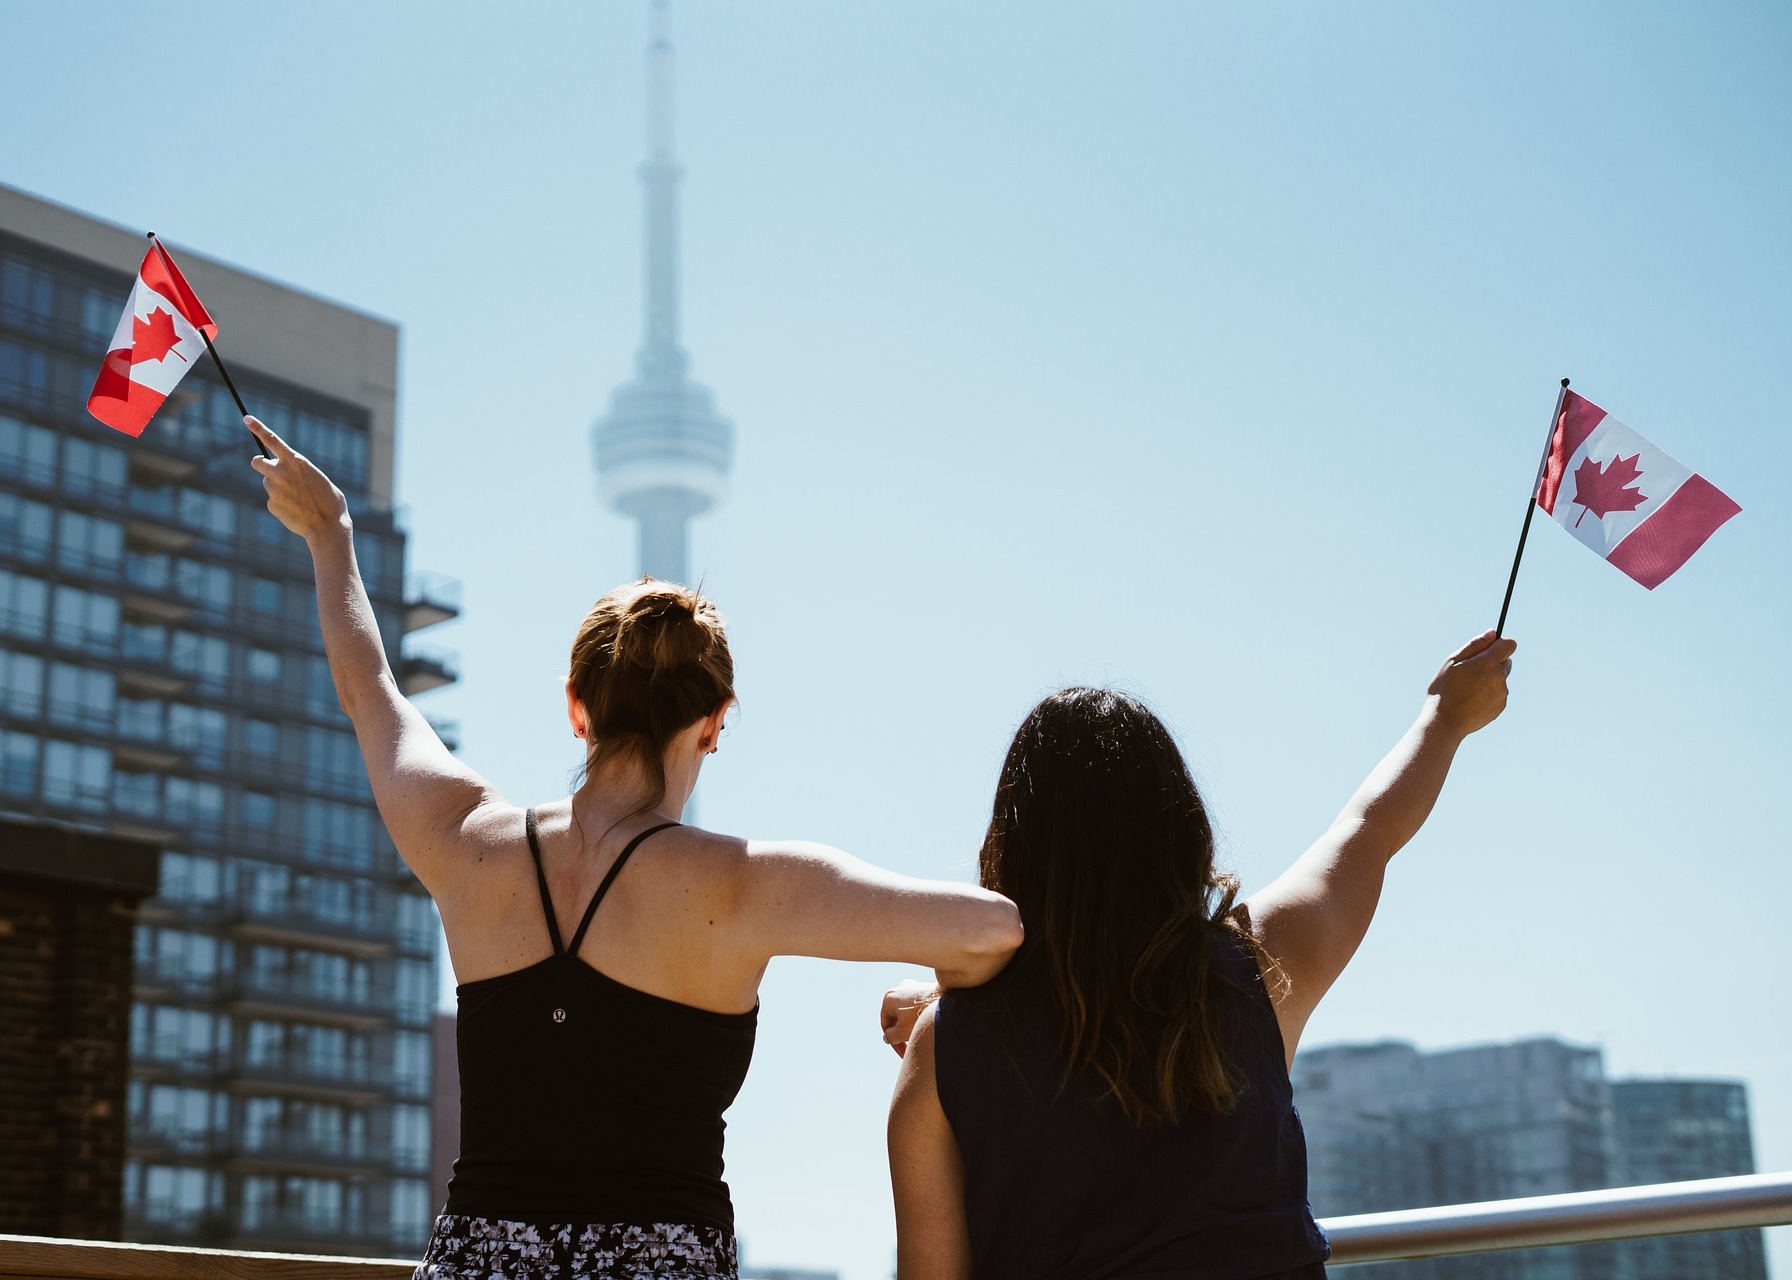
622	788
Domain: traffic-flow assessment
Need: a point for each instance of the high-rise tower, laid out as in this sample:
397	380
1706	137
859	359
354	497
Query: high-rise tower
663	452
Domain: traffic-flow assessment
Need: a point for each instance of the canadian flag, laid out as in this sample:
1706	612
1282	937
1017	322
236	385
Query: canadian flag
1623	497
157	341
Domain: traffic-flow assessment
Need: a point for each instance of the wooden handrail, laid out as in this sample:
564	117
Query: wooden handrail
44	1258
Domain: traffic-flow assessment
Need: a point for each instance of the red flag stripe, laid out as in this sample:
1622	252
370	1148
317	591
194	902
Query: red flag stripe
1580	418
160	274
1667	539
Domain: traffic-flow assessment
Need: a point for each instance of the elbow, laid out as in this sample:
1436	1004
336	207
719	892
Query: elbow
1003	931
990	942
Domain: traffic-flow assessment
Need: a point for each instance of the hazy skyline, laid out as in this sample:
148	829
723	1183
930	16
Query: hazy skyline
1202	349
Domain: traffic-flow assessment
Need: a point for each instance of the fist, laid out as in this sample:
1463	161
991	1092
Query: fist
1470	687
902	1005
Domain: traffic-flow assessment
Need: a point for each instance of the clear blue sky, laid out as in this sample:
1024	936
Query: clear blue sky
1201	348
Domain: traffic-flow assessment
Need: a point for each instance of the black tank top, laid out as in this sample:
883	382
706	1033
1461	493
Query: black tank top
585	1100
1061	1187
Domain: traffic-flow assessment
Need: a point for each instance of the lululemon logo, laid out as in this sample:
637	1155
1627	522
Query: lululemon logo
559	1015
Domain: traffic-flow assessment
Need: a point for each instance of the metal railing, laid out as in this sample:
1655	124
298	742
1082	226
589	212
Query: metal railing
1578	1217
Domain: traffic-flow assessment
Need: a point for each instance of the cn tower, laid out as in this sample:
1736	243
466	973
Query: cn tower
663	452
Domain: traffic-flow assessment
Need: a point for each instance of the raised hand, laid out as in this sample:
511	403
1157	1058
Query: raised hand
902	1005
1470	687
299	495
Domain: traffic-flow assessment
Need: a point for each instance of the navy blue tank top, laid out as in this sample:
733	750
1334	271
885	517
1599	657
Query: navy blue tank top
1059	1186
584	1100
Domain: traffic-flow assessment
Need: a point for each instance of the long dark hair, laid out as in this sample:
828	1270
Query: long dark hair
1100	838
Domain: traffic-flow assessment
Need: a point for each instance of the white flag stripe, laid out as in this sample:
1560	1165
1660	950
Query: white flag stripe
161	376
1660	477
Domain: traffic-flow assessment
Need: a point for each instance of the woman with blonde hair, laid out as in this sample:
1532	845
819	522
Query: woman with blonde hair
609	956
1116	1103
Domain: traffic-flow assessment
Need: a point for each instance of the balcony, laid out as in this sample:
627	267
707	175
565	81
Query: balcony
429	599
299	922
253	994
352	1082
424	669
149	535
300	1153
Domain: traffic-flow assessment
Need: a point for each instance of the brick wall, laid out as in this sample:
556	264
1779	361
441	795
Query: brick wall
67	907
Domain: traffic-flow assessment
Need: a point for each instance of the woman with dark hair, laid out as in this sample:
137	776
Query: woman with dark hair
599	1049
1116	1103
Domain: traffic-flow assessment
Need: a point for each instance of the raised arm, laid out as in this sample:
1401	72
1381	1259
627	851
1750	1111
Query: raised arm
424	794
809	900
1312	918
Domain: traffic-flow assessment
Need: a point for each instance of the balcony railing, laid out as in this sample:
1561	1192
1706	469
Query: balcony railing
1579	1217
1622	1213
430	598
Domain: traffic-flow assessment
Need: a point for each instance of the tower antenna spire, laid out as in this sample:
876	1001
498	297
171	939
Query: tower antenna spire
663	453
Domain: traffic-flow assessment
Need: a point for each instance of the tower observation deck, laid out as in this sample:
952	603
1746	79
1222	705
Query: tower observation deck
662	451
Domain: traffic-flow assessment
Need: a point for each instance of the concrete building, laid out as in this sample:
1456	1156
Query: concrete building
162	677
68	904
1675	1131
1389	1127
662	452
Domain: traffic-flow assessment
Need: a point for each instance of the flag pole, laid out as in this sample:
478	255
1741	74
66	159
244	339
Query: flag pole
219	361
1530	509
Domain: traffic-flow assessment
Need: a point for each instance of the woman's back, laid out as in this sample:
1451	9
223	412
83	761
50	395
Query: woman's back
1059	1185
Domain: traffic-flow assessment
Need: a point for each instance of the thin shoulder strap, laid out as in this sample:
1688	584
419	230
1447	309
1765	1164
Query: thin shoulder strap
609	879
547	903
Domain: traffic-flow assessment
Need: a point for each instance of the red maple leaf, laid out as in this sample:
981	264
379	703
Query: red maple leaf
153	337
1605	488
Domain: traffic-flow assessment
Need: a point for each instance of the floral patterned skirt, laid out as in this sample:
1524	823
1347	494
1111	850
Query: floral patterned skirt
463	1248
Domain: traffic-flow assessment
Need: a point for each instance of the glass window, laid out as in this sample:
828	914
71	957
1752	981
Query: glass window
338	834
139	794
25	377
21	683
18	763
266	1045
266	595
410	1063
88	543
258	809
140	719
261	738
210	514
81	696
85	620
90	468
339	449
77	776
410	1137
193	804
320	690
333	762
150	570
145	642
416	990
264	666
189	878
27	295
200	730
207	658
206	585
260	1124
24	605
411	1212
24	528
174	1196
416	922
27	452
100	312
